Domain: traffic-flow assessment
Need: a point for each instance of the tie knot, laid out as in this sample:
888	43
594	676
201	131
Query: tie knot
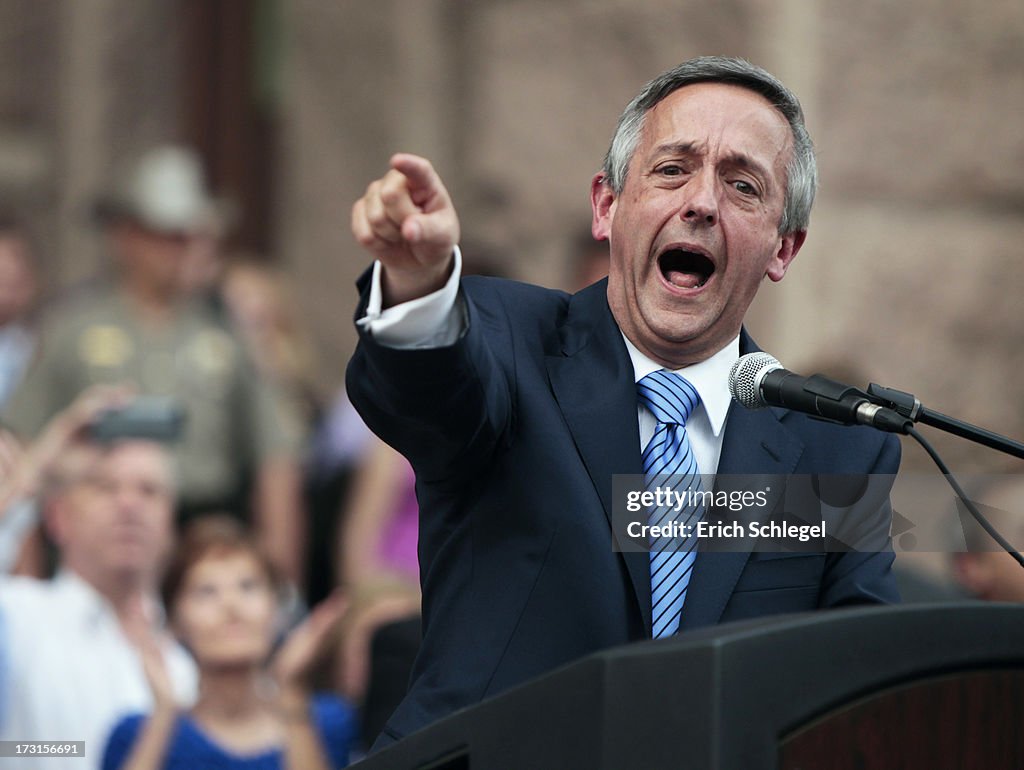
670	398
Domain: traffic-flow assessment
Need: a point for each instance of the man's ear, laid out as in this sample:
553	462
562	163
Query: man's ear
789	245
602	203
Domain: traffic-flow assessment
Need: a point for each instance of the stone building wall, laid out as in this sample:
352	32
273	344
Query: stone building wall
84	86
915	260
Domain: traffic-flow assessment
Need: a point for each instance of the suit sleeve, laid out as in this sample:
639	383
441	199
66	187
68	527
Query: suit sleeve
447	409
862	574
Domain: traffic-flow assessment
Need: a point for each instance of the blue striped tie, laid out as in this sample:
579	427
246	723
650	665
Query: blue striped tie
669	463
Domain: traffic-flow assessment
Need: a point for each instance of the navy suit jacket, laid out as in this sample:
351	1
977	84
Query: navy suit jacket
515	432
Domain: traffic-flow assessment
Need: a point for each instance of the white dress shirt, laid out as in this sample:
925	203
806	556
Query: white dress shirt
705	425
432	321
438	319
67	671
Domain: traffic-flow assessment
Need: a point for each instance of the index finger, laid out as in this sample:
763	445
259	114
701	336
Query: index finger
423	181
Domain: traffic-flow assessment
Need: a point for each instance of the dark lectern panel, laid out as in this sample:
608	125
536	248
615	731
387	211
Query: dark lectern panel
952	722
724	698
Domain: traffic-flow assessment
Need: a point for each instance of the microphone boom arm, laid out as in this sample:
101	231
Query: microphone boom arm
911	408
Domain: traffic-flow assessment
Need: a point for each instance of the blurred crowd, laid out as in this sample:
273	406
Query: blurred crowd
204	562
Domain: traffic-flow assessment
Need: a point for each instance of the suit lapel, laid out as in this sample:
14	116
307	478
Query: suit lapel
756	451
591	377
592	380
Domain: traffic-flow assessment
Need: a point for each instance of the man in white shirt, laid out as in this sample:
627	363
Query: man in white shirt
70	668
517	405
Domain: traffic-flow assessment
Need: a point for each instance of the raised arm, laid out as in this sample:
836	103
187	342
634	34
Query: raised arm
443	401
291	668
149	749
21	470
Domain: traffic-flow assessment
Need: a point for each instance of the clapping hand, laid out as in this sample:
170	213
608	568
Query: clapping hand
306	644
139	629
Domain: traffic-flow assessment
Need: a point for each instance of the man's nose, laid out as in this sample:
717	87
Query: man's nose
126	498
131	503
700	199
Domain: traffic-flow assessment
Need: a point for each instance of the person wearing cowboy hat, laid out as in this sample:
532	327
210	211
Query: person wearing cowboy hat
144	325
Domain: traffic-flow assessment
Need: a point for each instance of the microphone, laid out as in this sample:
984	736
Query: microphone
758	380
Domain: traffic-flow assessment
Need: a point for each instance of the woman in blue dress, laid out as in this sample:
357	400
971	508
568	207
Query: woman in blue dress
223	602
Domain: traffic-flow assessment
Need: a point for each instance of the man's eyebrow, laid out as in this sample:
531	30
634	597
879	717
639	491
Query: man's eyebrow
739	159
742	160
676	148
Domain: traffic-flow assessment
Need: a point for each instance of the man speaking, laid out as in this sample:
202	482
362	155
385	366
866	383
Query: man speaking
516	405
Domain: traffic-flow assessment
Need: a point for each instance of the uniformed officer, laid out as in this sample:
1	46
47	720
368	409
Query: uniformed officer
143	327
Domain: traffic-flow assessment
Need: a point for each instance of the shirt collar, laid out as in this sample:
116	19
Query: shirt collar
93	605
710	377
87	600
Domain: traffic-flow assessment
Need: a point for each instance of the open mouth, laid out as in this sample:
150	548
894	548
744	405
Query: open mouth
685	269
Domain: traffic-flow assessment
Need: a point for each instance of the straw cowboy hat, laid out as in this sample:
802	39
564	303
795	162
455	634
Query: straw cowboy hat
165	191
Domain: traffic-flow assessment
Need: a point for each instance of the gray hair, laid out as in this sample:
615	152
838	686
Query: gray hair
802	170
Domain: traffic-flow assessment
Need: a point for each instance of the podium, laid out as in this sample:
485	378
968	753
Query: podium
888	688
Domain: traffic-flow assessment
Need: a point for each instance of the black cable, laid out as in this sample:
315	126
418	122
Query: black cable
912	431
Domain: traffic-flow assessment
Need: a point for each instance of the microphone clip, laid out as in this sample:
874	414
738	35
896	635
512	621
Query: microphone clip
906	404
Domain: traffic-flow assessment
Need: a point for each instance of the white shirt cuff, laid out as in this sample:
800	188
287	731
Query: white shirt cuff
432	321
